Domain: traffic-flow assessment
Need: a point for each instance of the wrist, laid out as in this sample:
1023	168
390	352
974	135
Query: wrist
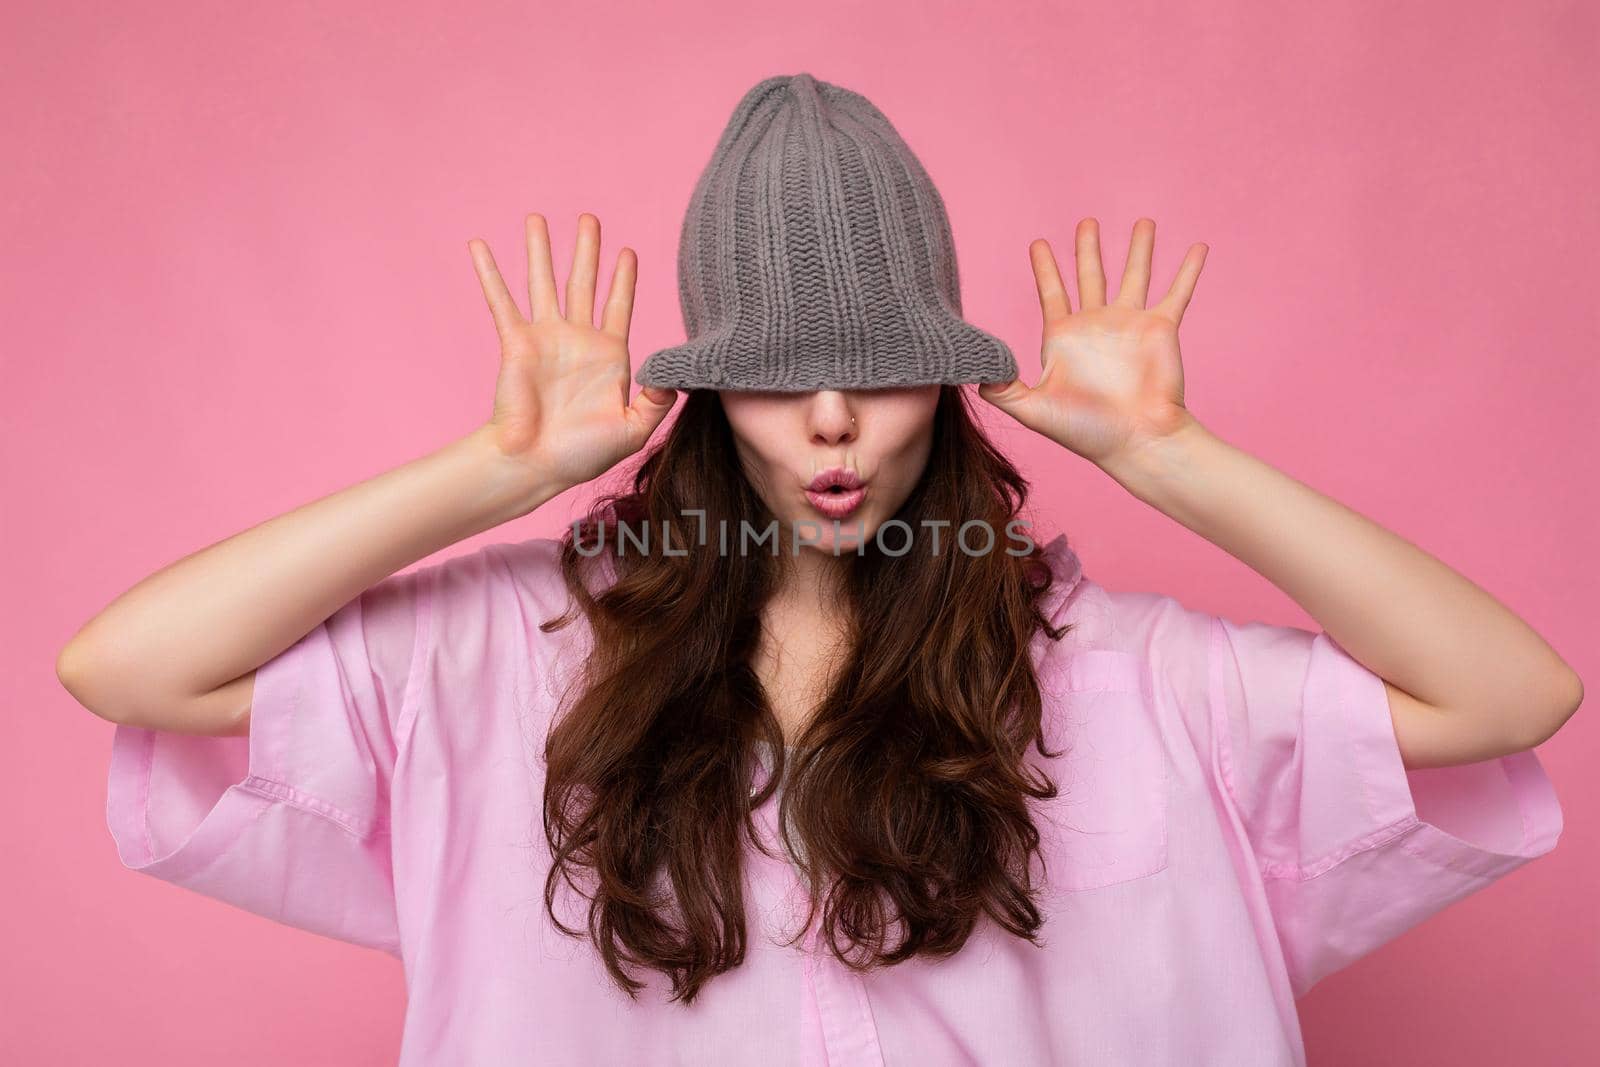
512	486
1154	468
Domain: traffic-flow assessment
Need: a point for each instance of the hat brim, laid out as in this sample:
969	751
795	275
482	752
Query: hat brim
961	354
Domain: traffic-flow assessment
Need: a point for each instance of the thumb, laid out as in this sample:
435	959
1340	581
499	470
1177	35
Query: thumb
649	407
1010	397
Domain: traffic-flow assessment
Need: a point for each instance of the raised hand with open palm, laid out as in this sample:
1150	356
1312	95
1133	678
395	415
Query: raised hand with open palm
1112	377
561	401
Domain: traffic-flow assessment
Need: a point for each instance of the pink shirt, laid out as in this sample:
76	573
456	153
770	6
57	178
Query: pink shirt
1234	823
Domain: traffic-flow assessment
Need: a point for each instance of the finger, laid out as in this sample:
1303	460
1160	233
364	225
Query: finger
1091	276
1177	299
501	305
541	272
1135	287
585	265
618	312
1054	303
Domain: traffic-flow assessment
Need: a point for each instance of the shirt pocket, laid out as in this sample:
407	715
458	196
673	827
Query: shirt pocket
1108	823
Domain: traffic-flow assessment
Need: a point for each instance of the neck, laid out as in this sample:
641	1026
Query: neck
811	579
803	634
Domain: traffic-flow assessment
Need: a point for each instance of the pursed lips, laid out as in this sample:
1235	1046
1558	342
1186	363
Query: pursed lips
836	492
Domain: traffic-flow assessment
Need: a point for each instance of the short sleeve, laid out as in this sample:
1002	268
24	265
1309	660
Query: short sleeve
1353	849
291	821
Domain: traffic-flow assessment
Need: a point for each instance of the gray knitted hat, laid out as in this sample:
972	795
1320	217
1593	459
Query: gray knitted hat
816	254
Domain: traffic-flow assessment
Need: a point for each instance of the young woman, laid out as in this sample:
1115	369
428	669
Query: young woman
864	799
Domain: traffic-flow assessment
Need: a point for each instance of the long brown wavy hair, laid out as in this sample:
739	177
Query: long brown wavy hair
908	789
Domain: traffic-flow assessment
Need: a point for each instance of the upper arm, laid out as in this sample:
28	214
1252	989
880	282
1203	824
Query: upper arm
1350	846
228	706
1430	736
291	820
388	623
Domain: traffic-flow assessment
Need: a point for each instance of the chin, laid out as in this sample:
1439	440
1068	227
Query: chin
848	538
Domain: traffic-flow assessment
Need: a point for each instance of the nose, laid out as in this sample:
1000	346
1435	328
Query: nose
832	422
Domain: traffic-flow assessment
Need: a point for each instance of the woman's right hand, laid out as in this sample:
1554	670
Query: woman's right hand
561	401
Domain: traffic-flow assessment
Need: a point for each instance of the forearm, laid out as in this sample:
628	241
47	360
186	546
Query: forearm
1402	613
221	612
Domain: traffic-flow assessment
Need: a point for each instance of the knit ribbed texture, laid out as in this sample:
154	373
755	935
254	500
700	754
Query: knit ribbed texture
816	254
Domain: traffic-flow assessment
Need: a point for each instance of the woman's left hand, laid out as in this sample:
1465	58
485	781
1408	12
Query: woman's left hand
1112	379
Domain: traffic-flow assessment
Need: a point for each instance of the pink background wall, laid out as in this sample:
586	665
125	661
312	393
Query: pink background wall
236	278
